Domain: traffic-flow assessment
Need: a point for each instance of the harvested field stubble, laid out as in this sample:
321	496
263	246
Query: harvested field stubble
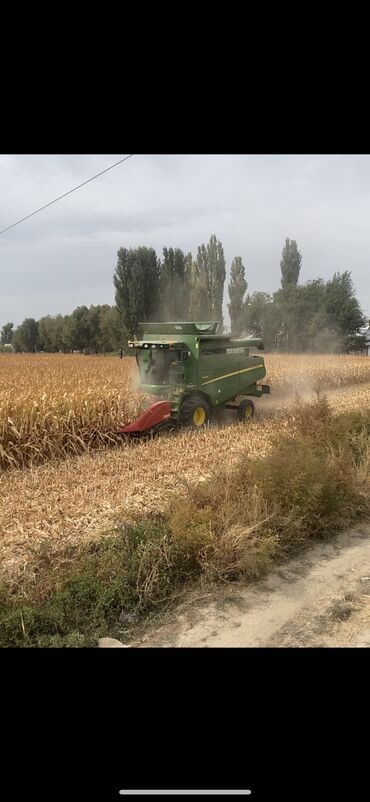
313	483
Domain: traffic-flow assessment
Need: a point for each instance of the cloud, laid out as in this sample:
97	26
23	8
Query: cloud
66	255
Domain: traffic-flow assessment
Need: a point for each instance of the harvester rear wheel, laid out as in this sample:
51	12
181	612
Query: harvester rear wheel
246	409
194	412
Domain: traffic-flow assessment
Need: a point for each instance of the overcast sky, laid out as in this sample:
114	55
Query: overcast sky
65	256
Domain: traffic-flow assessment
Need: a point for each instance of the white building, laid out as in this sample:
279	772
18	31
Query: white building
364	350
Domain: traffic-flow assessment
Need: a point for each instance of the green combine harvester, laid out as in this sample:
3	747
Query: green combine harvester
194	371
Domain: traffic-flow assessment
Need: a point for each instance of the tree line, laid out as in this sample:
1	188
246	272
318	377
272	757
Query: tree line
316	316
97	329
176	287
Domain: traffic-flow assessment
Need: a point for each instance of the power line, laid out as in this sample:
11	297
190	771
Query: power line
66	193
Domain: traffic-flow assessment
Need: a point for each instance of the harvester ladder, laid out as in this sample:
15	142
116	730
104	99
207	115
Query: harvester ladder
177	378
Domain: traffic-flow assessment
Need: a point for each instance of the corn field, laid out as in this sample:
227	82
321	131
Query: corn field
54	405
63	502
306	372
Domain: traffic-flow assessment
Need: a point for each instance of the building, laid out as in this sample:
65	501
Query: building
364	348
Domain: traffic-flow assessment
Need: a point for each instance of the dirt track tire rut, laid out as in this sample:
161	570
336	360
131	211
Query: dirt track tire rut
321	598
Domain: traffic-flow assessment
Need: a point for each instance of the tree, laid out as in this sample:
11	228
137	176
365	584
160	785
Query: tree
45	333
261	318
26	335
217	275
174	290
290	264
7	334
136	282
57	341
129	294
76	331
93	325
95	330
199	306
301	315
319	317
112	334
50	333
310	330
343	309
285	303
147	264
208	280
237	289
188	285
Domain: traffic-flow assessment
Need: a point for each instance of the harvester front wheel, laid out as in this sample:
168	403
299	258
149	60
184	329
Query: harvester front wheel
246	410
194	412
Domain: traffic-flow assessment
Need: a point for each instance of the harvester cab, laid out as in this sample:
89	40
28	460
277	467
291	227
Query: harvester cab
193	369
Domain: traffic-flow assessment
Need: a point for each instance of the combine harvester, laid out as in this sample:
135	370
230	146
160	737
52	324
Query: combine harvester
194	370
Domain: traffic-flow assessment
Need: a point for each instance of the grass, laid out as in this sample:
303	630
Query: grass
313	483
73	606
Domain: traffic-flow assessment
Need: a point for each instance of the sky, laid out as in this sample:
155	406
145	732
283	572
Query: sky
65	256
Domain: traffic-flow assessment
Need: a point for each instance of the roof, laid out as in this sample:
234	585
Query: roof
181	327
153	341
212	339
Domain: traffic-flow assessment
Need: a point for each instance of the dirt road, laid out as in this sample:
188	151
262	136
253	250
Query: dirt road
320	598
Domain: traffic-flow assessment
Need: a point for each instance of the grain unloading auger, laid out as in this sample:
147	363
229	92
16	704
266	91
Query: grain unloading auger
194	371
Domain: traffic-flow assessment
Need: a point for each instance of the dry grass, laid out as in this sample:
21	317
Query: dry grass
52	405
74	500
289	373
313	483
44	508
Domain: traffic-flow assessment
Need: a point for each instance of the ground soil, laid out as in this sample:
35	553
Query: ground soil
320	598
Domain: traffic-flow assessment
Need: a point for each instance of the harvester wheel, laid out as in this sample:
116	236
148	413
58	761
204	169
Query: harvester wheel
246	410
194	412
